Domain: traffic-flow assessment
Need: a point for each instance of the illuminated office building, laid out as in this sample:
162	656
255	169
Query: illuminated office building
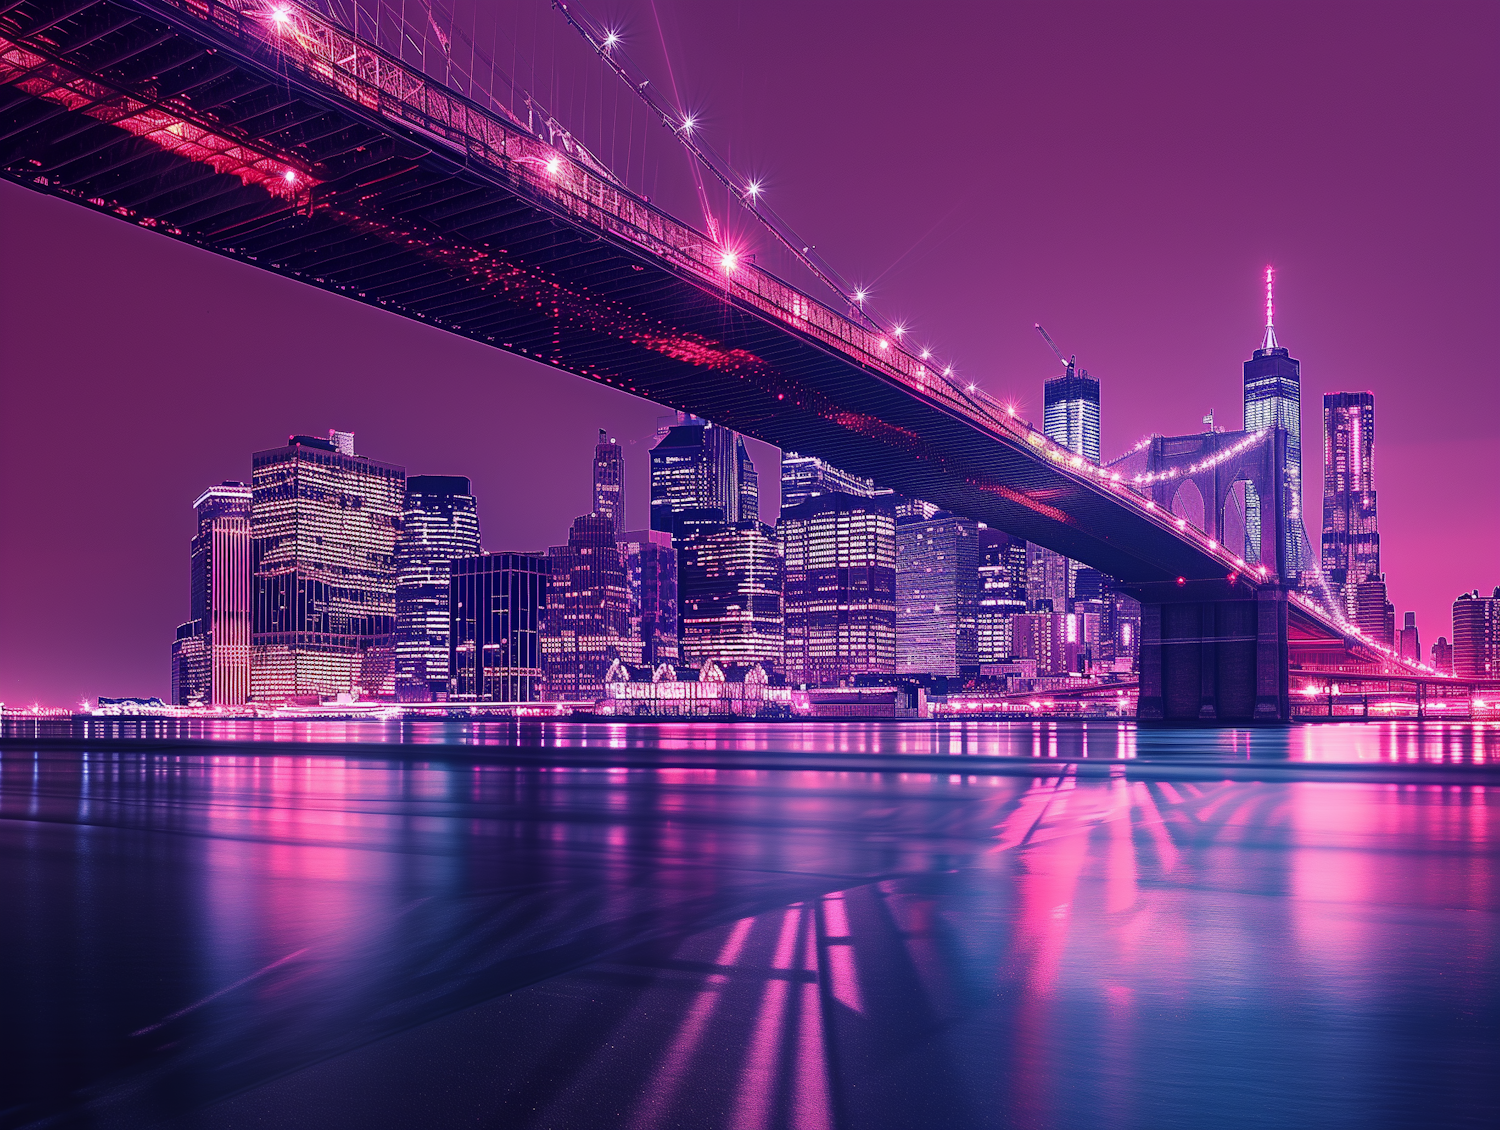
1476	635
609	481
697	466
1002	594
1409	642
1372	613
937	594
807	476
587	623
840	588
1442	656
651	582
438	524
1351	538
1273	398
211	654
1070	412
730	583
323	525
495	606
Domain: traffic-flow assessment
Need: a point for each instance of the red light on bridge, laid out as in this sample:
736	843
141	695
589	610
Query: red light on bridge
1181	581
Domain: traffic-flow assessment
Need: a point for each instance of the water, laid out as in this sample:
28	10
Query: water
859	925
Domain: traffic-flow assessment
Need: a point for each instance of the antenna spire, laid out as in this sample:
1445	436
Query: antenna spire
1268	343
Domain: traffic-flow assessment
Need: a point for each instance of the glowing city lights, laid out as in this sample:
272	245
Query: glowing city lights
553	165
290	177
729	260
281	16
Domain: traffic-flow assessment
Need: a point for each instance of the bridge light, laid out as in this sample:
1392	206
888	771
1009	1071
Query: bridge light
553	164
1182	523
899	330
1212	544
859	296
280	16
729	260
972	388
687	123
884	344
753	189
1181	581
290	177
948	372
1150	504
1010	410
611	38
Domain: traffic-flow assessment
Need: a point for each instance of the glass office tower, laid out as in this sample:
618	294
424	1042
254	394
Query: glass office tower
730	581
937	594
1070	412
323	525
1351	537
587	623
1273	398
840	589
211	654
651	581
495	607
438	524
807	476
697	466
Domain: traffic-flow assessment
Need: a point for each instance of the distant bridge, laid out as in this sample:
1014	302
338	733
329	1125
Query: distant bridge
268	134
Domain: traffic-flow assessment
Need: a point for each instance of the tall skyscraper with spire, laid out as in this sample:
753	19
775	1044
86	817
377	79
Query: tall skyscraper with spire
1273	398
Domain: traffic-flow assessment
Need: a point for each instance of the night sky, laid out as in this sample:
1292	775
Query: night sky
1121	173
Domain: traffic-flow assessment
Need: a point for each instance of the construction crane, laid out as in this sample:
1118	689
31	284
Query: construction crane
1052	345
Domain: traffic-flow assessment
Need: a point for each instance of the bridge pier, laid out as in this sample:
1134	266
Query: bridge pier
1213	654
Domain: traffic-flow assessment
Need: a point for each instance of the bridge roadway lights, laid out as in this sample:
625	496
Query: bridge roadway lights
1213	653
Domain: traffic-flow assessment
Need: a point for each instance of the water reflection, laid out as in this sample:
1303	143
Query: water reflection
217	938
1387	741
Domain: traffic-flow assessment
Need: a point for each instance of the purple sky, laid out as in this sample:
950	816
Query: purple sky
1120	173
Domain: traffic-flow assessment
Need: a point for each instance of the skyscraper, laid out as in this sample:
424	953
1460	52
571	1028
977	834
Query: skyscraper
211	655
807	476
937	591
747	485
1047	573
1002	594
587	624
1442	656
609	481
1070	413
1372	613
323	522
730	583
1273	398
495	603
698	466
840	554
651	581
1476	635
438	524
1351	541
1409	644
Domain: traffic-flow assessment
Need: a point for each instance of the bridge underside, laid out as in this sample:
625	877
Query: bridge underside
130	108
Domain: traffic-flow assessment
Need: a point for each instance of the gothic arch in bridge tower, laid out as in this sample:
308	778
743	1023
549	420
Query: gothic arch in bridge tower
1212	463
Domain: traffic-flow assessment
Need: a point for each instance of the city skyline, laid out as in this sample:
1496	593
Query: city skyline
1324	315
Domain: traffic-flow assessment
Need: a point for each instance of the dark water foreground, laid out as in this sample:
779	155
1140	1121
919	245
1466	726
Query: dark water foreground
618	926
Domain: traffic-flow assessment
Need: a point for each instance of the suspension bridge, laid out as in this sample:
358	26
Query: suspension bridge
270	134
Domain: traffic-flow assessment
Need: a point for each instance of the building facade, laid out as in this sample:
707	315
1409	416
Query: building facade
211	654
609	481
1070	412
651	581
587	624
730	583
323	526
1273	398
937	594
495	607
840	588
1476	635
807	476
1351	538
439	523
1002	594
1409	642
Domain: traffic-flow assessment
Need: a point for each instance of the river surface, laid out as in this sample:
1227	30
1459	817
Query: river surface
796	924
